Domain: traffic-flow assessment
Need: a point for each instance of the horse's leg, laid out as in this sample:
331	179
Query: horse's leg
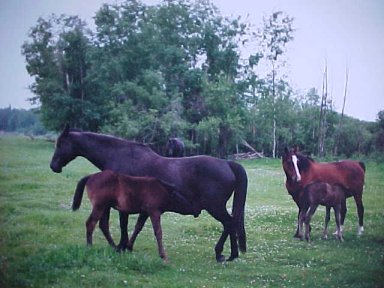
360	212
297	234
326	221
308	217
221	214
104	226
300	222
339	235
123	217
156	224
96	214
220	246
343	212
139	225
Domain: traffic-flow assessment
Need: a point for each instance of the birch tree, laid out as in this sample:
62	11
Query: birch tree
276	34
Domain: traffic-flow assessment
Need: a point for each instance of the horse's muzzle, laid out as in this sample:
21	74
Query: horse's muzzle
296	179
55	168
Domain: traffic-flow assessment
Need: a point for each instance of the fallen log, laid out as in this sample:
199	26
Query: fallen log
248	155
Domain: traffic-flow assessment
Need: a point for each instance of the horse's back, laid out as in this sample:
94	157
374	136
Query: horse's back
208	178
101	187
211	171
350	174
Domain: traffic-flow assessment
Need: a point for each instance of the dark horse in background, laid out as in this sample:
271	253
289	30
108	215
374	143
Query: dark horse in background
301	170
175	147
205	181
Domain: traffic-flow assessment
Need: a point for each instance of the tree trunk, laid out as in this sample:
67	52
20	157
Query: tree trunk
323	107
338	131
223	140
274	111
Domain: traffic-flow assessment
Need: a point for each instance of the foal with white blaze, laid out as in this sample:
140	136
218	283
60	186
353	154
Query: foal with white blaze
321	193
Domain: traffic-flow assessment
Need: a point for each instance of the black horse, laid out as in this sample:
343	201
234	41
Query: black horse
175	147
206	181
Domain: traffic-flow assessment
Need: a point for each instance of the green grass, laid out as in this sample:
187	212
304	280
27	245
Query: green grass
42	242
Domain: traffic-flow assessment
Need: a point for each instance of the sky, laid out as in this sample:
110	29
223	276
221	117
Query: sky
343	33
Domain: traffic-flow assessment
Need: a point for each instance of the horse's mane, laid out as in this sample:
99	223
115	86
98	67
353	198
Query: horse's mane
111	140
75	130
304	161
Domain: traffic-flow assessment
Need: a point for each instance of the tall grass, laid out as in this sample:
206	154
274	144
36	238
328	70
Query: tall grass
42	242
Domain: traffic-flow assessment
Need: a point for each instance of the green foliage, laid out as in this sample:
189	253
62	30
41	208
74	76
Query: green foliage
142	73
42	242
379	131
21	121
176	69
277	33
57	57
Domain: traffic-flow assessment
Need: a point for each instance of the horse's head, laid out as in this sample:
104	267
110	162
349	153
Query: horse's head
290	161
170	147
64	151
174	147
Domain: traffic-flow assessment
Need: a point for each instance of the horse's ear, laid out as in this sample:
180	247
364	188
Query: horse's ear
66	130
295	149
286	151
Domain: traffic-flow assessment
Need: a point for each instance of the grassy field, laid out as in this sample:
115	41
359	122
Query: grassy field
42	242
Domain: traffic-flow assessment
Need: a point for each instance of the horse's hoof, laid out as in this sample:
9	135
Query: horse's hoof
129	246
220	259
231	258
165	259
120	248
360	230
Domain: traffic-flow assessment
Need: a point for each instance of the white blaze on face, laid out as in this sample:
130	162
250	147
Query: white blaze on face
294	160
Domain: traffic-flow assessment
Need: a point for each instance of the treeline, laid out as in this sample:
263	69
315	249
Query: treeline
179	69
21	121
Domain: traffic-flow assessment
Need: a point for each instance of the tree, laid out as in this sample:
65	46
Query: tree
335	149
380	132
56	57
20	120
224	122
308	117
276	34
168	61
323	111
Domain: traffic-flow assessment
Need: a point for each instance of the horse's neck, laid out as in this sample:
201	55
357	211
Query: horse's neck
94	149
123	157
307	163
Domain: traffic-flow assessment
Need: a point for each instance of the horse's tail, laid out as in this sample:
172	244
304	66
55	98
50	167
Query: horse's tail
79	193
238	205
